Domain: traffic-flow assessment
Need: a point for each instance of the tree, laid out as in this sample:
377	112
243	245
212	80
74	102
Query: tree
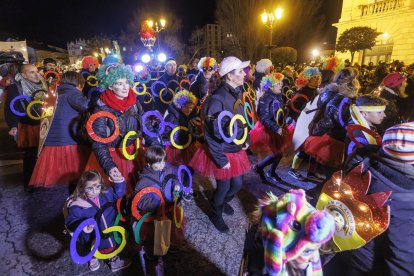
285	55
356	39
197	43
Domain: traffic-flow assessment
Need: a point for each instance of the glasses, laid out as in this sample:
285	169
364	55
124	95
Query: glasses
93	188
207	69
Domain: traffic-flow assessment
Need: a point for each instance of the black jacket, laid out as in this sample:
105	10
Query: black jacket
267	112
300	102
172	82
199	87
392	111
257	79
104	127
224	98
177	118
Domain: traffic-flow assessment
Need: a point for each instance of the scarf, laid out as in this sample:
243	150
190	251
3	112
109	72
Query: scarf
30	87
109	98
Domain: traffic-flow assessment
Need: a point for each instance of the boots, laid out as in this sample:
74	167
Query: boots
217	219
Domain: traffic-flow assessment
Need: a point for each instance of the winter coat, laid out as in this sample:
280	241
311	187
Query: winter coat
300	102
104	127
392	111
65	125
177	118
171	82
81	209
199	87
224	98
266	110
391	253
257	79
152	178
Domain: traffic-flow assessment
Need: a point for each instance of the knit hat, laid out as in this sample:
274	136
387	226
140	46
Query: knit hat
263	64
231	63
289	225
394	79
88	60
398	142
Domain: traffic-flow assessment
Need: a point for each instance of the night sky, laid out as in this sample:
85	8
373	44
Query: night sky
59	21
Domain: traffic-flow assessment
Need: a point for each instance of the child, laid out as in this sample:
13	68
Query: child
183	113
270	136
368	112
90	196
151	176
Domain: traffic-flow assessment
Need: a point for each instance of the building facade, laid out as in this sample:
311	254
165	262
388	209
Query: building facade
213	35
393	18
76	51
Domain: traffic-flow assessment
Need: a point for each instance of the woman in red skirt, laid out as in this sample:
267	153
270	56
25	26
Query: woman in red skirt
270	137
183	114
65	153
224	157
114	146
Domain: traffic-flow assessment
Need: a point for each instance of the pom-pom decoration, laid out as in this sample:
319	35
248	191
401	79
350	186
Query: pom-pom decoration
271	79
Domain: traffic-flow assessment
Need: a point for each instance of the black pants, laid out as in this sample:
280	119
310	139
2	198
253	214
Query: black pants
273	159
225	191
29	162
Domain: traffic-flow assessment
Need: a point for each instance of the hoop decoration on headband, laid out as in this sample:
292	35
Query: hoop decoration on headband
124	141
161	126
91	132
142	92
19	98
182	128
91	80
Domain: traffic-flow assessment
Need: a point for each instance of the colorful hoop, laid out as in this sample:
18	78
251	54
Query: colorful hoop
183	128
73	252
220	128
162	99
92	77
161	125
232	122
13	110
138	196
180	179
297	96
29	113
153	87
124	142
178	224
94	136
120	230
144	88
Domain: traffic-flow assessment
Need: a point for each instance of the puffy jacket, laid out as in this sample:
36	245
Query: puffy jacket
65	125
266	110
81	209
224	98
300	102
257	79
199	87
104	127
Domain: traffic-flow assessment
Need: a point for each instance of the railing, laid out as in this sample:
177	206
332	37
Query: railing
381	7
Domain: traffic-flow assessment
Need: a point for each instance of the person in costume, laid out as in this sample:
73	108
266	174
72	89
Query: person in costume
91	198
288	235
205	81
263	67
194	69
90	66
183	113
394	93
119	100
367	112
65	153
269	137
171	80
222	157
326	143
392	173
24	129
156	174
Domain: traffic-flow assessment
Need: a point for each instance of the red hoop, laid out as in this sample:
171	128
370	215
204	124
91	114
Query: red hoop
94	136
138	196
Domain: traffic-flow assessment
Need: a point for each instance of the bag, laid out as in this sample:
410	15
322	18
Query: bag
162	234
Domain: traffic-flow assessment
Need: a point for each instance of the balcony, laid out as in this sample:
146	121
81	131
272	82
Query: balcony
381	7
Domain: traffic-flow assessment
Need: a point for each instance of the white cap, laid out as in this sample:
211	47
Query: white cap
231	63
263	64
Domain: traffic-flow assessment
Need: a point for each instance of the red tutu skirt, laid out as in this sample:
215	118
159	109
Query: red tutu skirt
59	165
325	149
203	163
128	168
264	142
177	234
28	135
177	156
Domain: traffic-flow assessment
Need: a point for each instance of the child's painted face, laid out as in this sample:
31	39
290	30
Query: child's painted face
187	109
374	117
93	188
307	256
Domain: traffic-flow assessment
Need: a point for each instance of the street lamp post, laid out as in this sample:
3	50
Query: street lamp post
269	20
158	27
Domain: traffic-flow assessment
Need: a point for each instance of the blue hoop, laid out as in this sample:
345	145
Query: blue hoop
219	119
15	112
161	126
73	253
190	178
153	87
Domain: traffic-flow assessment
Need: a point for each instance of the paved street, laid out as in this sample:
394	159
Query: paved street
32	240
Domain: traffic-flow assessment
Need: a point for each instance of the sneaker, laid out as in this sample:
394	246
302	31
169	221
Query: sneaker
272	177
313	177
94	264
219	223
227	209
117	263
295	174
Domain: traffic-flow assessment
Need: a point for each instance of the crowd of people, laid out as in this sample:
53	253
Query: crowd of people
122	137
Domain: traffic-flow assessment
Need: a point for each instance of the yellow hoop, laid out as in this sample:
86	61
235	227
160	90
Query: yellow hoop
88	80
150	98
178	224
232	121
118	229
277	117
162	99
190	138
124	141
29	106
144	90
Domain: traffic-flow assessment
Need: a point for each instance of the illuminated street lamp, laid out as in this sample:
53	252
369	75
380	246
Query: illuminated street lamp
149	30
269	19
